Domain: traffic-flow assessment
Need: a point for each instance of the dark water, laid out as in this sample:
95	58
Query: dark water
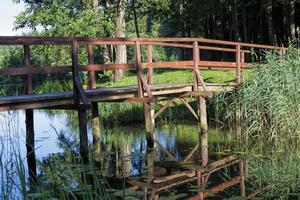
123	148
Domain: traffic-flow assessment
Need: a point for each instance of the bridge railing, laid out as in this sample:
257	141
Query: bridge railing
196	45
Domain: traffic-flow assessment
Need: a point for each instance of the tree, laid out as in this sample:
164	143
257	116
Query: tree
121	52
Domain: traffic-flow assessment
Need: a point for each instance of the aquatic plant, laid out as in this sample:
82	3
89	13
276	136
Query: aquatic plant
270	107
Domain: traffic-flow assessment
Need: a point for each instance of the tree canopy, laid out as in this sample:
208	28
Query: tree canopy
261	21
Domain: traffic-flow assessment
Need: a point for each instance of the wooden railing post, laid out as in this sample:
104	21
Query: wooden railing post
202	117
138	61
148	106
150	60
95	109
239	60
238	65
29	120
195	65
92	76
75	73
82	117
197	76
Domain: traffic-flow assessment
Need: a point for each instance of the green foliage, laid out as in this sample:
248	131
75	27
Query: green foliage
270	105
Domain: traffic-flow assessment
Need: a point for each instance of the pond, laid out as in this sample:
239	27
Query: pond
124	150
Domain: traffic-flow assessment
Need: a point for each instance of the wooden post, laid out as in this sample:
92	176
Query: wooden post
148	107
138	60
82	118
203	131
202	117
242	175
242	62
95	109
239	59
29	120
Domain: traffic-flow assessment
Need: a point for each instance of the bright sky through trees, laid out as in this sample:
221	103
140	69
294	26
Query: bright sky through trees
8	11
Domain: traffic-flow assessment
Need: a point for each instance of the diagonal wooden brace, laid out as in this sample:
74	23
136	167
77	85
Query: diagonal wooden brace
189	107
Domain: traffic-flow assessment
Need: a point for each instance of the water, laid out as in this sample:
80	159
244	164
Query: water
123	148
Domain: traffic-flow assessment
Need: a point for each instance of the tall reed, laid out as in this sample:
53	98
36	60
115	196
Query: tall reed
270	105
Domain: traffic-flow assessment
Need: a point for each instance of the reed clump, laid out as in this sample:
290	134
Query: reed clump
270	105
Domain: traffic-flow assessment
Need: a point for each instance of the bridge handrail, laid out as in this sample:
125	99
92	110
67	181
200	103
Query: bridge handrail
239	48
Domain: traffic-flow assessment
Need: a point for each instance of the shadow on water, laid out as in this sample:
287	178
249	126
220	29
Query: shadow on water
125	162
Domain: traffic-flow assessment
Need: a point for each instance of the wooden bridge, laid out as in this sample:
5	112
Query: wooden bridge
145	91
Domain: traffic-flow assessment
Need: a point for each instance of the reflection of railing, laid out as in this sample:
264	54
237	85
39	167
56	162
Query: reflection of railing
143	82
189	172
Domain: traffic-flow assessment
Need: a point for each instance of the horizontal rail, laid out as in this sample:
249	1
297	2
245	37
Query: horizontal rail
189	65
28	40
16	71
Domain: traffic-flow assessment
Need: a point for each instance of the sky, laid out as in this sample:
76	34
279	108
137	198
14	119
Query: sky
8	11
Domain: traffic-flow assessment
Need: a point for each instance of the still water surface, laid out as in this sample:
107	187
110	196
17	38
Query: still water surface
53	131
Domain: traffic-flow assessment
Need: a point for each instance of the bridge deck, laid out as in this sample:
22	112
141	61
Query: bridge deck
107	94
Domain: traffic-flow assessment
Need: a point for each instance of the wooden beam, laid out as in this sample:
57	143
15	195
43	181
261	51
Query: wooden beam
187	105
170	155
188	157
162	109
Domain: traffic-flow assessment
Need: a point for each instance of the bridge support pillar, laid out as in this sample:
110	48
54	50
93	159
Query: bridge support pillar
203	127
31	161
203	141
82	118
149	123
96	132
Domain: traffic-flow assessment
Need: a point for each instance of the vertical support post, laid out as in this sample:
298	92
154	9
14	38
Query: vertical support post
202	123
239	59
82	117
148	107
95	109
242	62
29	120
196	55
203	131
238	65
138	61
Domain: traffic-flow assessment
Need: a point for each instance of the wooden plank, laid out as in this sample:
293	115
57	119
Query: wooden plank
97	95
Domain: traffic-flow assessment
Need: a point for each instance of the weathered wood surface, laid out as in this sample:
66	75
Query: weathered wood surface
106	94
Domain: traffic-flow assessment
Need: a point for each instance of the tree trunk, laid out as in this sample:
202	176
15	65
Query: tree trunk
269	9
292	19
234	28
121	53
106	51
244	15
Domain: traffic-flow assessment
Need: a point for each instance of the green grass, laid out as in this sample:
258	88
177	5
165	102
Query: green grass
176	76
